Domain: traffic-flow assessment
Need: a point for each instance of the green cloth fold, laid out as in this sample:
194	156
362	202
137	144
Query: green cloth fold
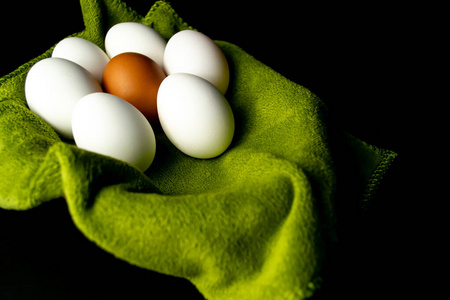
253	223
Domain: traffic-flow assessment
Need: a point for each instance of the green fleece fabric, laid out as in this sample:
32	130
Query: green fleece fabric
253	223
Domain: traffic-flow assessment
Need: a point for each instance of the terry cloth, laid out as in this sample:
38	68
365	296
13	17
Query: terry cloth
253	223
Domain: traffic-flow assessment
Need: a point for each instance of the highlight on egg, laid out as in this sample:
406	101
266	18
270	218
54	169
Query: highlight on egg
195	115
108	125
193	52
83	52
135	37
53	87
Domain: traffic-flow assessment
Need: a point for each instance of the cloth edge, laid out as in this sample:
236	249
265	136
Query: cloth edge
377	176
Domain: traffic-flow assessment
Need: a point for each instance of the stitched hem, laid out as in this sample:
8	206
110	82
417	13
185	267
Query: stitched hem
377	176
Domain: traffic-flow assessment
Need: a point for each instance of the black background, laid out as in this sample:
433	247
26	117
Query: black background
363	60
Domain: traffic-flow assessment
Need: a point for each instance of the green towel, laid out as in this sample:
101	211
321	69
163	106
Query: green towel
254	223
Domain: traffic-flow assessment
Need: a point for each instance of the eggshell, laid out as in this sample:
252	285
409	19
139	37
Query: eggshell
52	88
83	52
135	37
108	125
195	116
135	78
193	52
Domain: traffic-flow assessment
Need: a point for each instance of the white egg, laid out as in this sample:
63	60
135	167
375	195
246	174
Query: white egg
52	88
135	37
193	52
195	115
108	125
83	52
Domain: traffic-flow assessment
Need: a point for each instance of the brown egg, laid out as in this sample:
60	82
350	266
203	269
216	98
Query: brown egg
136	79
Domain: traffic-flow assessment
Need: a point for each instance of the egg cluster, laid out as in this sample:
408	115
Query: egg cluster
110	102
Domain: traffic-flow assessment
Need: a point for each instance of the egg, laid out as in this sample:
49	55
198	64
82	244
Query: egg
195	116
108	125
135	37
83	52
193	52
135	78
52	88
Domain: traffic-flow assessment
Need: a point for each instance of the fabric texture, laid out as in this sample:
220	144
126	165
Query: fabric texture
253	223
